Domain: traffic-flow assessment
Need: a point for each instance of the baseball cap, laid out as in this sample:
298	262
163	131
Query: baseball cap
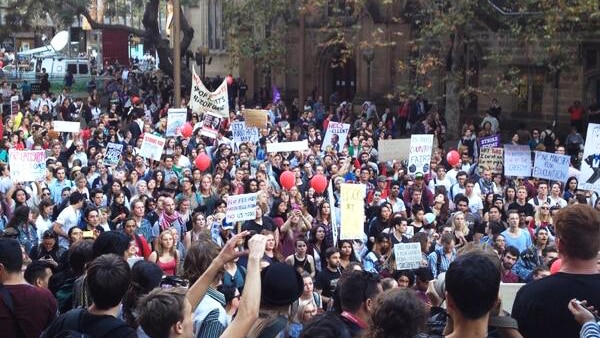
419	175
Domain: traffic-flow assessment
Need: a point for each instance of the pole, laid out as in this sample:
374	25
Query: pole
176	53
301	66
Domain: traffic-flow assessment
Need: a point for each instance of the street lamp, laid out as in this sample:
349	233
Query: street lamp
201	60
368	56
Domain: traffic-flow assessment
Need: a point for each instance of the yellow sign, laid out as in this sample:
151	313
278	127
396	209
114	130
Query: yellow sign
352	203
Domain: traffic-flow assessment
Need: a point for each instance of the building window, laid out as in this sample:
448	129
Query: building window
216	40
530	94
591	59
340	8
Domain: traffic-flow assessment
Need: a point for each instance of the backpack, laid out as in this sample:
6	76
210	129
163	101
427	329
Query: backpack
549	138
73	319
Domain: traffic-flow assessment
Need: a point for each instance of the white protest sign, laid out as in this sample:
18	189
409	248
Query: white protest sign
113	153
203	100
549	166
287	146
335	136
242	134
152	147
27	165
508	293
419	156
352	201
175	120
408	256
14	105
334	212
590	164
211	125
517	160
390	150
241	207
66	126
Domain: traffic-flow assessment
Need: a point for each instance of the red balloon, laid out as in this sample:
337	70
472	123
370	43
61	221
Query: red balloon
202	162
186	130
229	79
453	157
319	183
287	179
555	268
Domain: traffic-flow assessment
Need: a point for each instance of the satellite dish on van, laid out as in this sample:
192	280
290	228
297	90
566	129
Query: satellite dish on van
60	41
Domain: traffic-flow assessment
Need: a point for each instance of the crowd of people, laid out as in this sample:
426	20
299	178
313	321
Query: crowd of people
144	248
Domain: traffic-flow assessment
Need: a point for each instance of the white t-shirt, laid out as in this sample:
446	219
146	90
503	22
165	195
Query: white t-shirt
67	219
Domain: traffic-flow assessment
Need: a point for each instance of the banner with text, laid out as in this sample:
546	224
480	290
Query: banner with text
113	153
175	120
492	141
241	207
242	134
353	212
492	158
203	100
517	160
419	157
336	136
27	165
408	256
590	165
553	167
152	147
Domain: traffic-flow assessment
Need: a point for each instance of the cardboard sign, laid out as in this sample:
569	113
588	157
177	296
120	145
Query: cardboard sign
517	160
508	293
113	153
287	146
336	136
353	210
66	126
203	100
175	120
489	142
241	207
27	165
419	158
242	134
492	158
255	117
211	125
590	164
152	147
390	150
408	256
549	166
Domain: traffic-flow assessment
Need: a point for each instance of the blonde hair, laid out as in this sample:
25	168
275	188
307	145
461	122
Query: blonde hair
539	218
159	248
465	228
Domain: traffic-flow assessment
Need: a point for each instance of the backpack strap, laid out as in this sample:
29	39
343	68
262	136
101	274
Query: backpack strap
8	301
101	328
438	264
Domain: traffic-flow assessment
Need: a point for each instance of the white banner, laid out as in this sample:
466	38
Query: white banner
175	120
66	126
336	136
152	147
241	207
203	100
243	134
553	167
590	164
408	256
287	146
517	160
352	207
27	165
419	156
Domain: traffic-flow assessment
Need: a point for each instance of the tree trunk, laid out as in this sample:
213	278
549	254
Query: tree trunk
454	86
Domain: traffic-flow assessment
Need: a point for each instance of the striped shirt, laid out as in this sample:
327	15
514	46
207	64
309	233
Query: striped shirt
590	330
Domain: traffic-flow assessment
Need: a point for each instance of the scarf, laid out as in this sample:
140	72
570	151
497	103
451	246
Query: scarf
165	220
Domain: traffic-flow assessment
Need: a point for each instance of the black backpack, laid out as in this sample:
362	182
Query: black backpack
549	138
72	326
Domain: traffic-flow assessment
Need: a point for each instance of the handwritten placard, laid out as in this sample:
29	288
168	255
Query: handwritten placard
352	202
419	158
152	147
203	100
390	150
517	160
241	207
408	256
553	167
255	118
242	134
27	165
492	158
